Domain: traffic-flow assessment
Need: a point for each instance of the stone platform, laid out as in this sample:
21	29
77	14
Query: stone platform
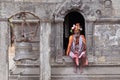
92	72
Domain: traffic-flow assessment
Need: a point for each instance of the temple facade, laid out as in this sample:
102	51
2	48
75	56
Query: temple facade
34	37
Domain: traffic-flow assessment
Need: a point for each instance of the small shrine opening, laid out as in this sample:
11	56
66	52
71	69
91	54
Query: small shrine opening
70	19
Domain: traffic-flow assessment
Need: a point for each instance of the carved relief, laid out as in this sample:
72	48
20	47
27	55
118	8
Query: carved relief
106	8
67	6
85	9
48	10
76	5
107	3
24	29
98	13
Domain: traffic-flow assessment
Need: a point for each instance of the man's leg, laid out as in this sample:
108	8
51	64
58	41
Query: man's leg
76	60
74	57
81	68
75	69
82	57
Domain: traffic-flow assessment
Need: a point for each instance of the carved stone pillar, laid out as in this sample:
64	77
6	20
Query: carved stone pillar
59	40
89	40
4	50
45	69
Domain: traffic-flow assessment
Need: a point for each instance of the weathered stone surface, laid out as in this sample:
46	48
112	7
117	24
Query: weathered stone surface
106	38
116	7
106	35
4	51
39	1
103	39
89	73
45	70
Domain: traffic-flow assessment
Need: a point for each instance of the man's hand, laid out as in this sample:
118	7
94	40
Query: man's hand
83	53
76	52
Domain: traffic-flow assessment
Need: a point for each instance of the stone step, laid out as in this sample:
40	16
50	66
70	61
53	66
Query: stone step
25	73
25	77
87	70
86	77
92	72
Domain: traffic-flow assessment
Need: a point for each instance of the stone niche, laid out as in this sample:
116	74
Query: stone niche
25	35
64	17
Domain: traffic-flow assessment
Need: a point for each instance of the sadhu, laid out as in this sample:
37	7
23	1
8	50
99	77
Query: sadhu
77	47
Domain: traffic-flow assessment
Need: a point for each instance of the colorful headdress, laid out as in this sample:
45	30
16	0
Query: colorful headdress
75	28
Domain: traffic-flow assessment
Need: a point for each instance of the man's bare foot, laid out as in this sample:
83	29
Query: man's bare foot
75	70
81	70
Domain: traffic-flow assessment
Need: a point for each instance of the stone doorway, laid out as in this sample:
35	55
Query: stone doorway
70	19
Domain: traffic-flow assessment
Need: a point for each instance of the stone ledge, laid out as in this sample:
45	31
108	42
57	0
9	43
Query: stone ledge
108	20
25	71
85	78
24	78
90	65
66	61
63	71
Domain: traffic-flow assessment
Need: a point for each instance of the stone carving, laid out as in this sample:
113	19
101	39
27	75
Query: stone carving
76	3
66	7
25	19
73	5
85	9
107	3
48	11
98	13
24	26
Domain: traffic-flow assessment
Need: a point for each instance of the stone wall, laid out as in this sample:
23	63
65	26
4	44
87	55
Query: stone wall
103	37
45	9
116	8
106	37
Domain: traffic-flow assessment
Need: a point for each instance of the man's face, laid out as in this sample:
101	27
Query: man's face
77	32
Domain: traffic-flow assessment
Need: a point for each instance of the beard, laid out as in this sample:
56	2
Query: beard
77	35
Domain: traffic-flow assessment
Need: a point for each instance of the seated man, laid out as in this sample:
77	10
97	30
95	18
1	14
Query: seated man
77	47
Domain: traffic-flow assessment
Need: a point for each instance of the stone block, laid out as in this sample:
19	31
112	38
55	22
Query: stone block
89	42
97	53
101	59
90	28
